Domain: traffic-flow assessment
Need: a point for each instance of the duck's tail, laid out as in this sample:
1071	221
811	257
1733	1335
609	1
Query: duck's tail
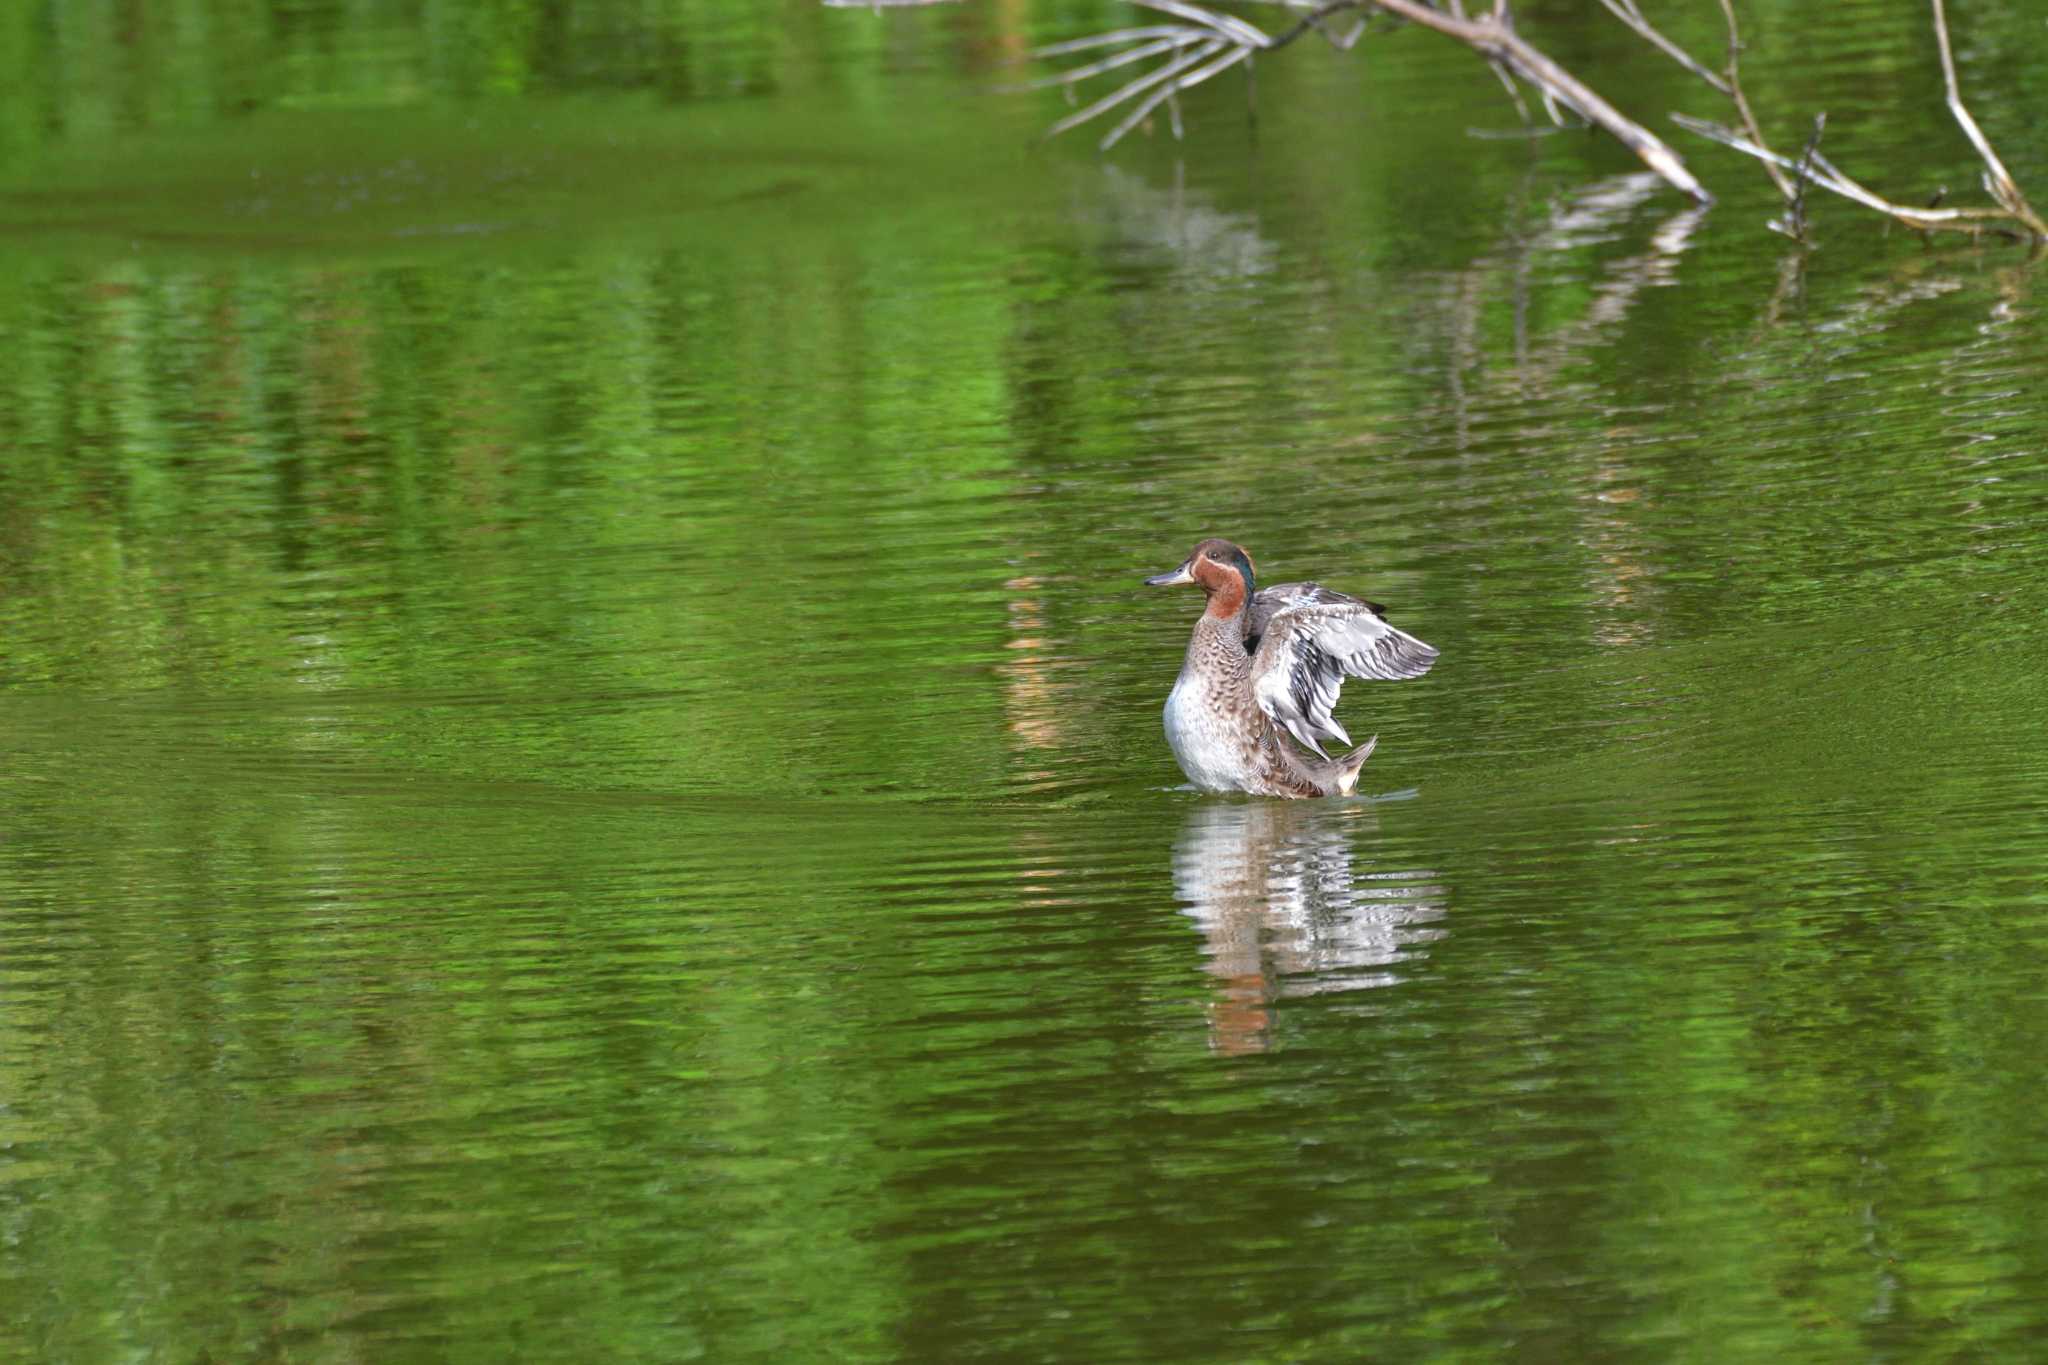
1348	767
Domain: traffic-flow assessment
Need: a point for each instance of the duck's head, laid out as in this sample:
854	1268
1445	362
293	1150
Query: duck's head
1223	571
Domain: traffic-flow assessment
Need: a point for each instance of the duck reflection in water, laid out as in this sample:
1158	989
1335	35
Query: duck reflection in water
1278	892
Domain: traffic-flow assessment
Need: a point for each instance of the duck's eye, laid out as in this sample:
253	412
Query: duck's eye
1213	555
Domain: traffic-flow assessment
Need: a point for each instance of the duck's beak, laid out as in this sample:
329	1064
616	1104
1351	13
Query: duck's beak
1166	580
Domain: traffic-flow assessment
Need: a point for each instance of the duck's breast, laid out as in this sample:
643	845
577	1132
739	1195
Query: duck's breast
1205	737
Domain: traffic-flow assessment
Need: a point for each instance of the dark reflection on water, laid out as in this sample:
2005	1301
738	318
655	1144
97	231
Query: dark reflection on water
1289	905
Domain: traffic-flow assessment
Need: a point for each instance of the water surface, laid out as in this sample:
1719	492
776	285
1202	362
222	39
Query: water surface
582	764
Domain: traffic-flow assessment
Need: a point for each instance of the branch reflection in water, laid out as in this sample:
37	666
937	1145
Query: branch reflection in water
1289	908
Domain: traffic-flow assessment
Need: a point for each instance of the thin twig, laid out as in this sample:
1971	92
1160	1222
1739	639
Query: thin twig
1342	44
1793	224
1626	11
1313	21
1507	83
1227	26
1122	35
1820	126
1997	181
1791	177
1825	174
1498	41
1204	50
1733	72
1137	115
1182	38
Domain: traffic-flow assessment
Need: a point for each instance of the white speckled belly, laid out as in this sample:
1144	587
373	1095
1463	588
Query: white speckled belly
1208	752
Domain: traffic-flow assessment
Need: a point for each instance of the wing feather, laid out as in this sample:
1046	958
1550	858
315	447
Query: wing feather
1269	601
1307	648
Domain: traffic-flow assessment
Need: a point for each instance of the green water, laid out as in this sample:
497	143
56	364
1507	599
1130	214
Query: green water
580	761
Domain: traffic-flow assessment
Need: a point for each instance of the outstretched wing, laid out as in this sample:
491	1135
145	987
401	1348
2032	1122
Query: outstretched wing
1306	651
1268	602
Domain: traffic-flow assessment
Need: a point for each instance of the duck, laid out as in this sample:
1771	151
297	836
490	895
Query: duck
1263	671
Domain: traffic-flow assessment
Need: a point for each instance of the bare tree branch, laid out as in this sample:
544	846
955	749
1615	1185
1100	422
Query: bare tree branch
1094	40
1822	172
1626	11
1181	38
1203	50
1493	38
1228	26
1793	224
1207	43
1132	119
1733	74
1997	181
